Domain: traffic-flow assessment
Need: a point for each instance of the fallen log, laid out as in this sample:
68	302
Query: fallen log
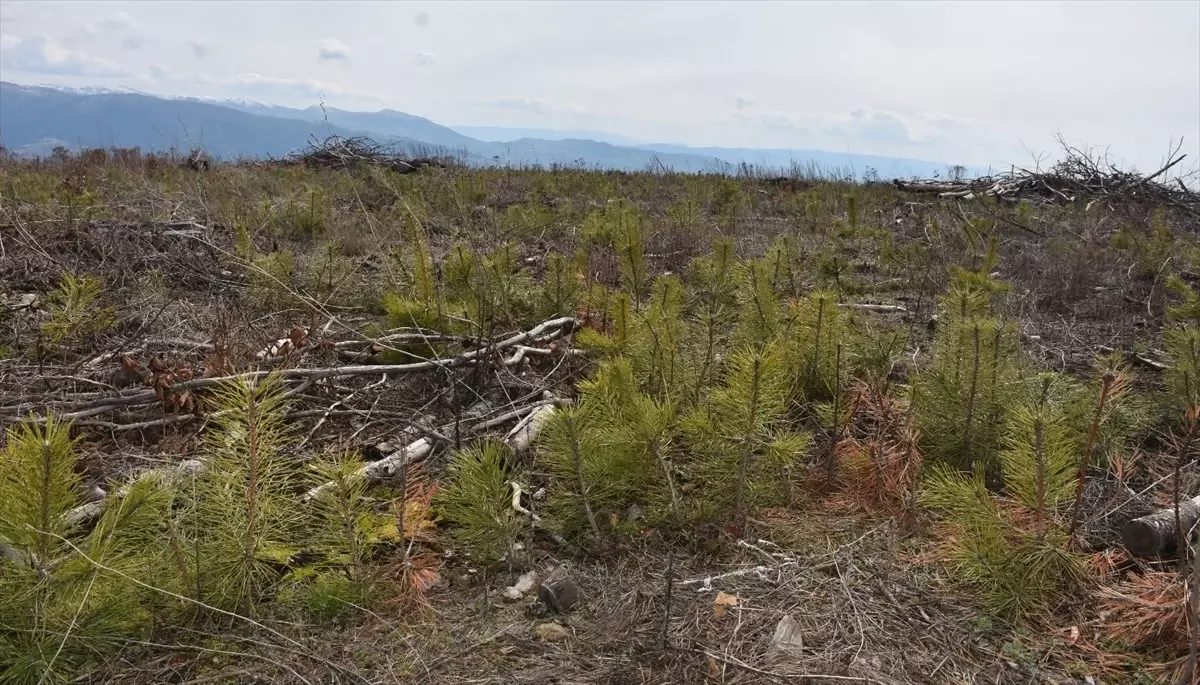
1155	534
878	308
519	439
165	476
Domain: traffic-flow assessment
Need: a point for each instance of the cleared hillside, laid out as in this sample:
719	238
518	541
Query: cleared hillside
369	424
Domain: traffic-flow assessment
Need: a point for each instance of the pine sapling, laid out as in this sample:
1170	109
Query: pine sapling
739	511
1111	383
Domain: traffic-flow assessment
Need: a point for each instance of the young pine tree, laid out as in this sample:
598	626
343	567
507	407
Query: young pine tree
241	513
960	399
743	446
661	351
561	287
813	330
477	502
1182	341
418	303
65	594
1038	459
341	528
759	309
1014	556
610	451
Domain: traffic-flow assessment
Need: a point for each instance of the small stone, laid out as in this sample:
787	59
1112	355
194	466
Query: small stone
633	513
537	610
561	595
551	632
27	301
540	494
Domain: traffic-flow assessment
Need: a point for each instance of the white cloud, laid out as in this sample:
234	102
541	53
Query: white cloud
424	59
119	21
131	42
200	49
539	106
157	72
332	48
41	54
422	19
264	87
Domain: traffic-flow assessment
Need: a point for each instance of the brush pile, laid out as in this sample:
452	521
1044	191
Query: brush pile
336	152
1079	177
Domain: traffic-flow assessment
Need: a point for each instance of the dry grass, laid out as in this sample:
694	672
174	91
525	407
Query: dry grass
854	566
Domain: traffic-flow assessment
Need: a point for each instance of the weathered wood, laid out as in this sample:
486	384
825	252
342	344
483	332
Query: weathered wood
878	308
1156	534
519	439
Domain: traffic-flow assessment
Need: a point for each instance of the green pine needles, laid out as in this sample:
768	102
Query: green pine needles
1038	459
58	608
961	397
744	448
1182	341
814	330
610	451
1013	550
341	528
477	502
242	514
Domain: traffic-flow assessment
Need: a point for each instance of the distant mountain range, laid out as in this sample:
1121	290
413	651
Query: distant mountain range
35	119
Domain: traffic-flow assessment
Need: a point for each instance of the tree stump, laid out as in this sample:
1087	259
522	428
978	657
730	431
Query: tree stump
1155	534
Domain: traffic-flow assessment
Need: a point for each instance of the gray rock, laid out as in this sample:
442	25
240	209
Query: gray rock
561	594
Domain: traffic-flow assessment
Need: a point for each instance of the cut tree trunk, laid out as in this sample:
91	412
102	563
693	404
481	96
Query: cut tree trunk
1156	534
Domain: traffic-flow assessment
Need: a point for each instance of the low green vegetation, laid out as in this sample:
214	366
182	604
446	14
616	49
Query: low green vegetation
722	366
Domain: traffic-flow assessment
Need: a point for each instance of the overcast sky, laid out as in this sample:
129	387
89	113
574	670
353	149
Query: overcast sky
970	82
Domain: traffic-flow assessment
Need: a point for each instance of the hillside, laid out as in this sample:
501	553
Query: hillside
290	423
34	119
386	122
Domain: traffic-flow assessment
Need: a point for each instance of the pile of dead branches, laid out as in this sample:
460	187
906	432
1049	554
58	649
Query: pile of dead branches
339	380
164	393
336	152
1081	176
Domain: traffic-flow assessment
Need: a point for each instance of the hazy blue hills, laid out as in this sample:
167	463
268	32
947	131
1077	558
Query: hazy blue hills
817	160
35	119
388	122
506	134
